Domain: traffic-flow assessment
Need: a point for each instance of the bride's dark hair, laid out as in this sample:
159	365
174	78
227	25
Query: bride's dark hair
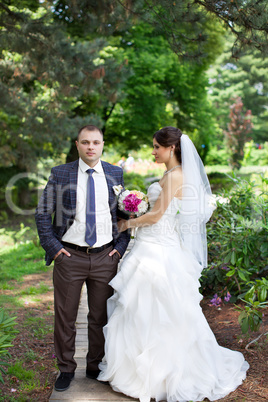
168	136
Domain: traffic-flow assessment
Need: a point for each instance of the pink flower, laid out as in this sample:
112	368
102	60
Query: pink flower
131	203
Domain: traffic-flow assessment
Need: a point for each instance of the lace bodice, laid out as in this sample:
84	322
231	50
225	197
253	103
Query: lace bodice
165	230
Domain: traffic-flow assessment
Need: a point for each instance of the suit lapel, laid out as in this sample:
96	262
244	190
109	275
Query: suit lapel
110	183
73	184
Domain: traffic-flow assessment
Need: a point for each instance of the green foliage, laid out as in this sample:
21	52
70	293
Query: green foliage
250	317
160	91
217	156
7	333
61	75
237	238
255	298
66	63
238	250
254	156
245	77
135	181
182	22
219	181
258	291
47	76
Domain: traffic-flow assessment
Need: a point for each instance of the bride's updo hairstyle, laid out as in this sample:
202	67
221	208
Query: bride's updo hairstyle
168	136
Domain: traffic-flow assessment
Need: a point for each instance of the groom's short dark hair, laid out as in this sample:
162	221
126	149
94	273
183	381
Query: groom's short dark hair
89	127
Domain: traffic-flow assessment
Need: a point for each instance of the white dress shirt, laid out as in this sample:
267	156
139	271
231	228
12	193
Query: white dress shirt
76	233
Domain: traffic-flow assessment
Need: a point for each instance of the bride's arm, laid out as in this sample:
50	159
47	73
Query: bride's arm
171	188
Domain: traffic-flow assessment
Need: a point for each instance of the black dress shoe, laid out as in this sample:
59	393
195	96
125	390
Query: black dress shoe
93	374
63	381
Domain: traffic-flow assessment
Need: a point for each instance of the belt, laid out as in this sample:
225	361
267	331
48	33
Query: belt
88	249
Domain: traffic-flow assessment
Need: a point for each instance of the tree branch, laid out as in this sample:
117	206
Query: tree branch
11	13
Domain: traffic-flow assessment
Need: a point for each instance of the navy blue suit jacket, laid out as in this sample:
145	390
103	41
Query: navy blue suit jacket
57	206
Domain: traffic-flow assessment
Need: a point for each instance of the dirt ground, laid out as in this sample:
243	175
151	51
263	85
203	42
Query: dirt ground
37	352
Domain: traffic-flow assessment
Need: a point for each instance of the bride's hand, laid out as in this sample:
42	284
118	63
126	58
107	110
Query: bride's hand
122	225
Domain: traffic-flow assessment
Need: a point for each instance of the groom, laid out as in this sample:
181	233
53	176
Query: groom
77	225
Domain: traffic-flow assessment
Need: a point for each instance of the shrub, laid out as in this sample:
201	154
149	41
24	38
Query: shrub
134	181
219	181
7	333
237	239
254	156
217	156
238	250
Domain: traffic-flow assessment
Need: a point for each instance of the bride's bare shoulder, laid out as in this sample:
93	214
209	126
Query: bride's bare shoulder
172	178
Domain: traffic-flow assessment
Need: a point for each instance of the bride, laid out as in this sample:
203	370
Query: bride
158	342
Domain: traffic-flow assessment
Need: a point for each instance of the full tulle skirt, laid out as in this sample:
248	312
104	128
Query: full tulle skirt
158	342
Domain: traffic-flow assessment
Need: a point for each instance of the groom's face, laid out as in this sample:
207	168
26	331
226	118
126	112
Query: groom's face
90	146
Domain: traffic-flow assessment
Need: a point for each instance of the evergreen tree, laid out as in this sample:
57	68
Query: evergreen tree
180	22
45	76
246	77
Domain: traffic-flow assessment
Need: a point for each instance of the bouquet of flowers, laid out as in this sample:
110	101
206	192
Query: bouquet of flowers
131	203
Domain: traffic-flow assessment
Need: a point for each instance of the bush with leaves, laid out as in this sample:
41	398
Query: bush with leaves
237	238
7	333
255	299
238	249
135	181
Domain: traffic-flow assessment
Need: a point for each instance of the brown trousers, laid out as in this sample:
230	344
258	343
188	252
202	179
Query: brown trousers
69	275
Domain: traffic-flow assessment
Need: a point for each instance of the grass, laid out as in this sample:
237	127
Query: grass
26	378
9	300
38	325
17	232
31	355
19	372
36	290
20	255
17	261
245	170
20	260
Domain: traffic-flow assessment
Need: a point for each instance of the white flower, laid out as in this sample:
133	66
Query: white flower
222	200
142	207
212	201
117	189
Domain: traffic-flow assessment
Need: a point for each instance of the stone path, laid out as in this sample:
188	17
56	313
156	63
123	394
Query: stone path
82	388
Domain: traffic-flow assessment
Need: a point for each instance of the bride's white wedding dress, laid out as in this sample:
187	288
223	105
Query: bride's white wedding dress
158	342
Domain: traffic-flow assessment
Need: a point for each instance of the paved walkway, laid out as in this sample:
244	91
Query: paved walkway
82	388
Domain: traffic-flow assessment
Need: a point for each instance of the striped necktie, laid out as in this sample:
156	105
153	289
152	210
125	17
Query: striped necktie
91	236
